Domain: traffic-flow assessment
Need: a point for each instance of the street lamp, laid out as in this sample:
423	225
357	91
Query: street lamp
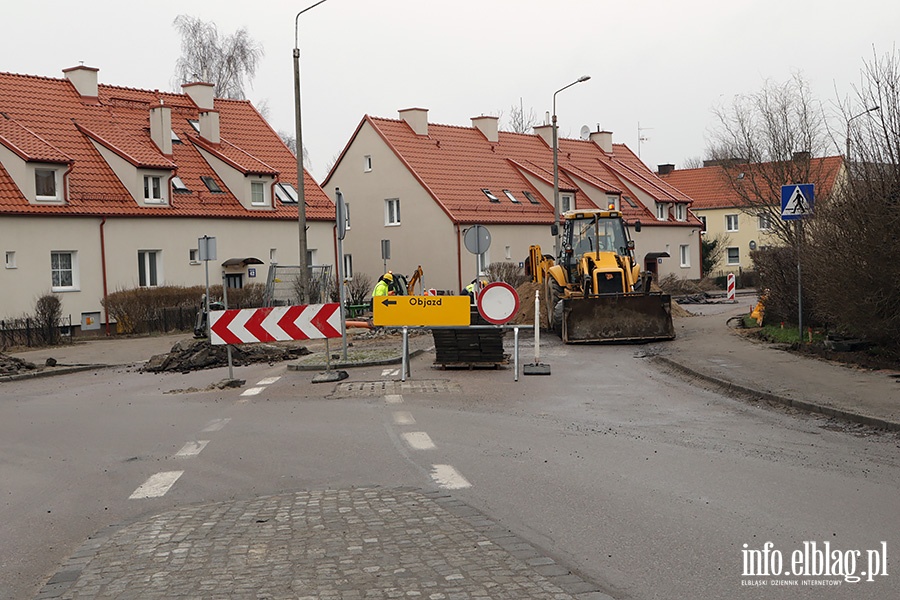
556	162
865	112
301	197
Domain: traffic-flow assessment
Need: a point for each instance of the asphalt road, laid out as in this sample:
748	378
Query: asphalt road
642	483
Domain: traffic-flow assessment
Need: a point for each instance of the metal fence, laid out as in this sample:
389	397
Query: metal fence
29	332
165	320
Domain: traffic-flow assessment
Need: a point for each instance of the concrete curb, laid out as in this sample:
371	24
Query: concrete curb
338	364
733	388
65	370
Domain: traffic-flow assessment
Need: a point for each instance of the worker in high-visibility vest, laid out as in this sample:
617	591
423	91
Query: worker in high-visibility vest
382	288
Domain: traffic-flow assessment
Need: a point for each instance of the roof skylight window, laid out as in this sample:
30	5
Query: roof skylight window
509	195
286	193
530	197
178	186
195	124
630	201
211	185
490	196
175	138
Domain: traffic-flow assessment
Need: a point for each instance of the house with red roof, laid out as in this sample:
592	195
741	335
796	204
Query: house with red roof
726	199
104	188
421	185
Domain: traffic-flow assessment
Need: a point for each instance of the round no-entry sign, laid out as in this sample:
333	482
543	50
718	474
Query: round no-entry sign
498	302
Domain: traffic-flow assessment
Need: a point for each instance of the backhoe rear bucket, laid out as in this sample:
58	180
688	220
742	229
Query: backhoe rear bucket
620	318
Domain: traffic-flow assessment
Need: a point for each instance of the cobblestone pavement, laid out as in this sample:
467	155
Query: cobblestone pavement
364	543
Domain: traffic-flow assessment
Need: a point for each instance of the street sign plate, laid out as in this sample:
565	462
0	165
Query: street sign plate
797	201
421	311
477	239
498	302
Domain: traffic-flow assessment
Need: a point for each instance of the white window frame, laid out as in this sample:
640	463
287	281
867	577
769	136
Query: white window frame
680	212
703	221
728	260
73	285
684	254
728	222
392	212
347	215
150	267
566	203
11	259
56	185
614	200
273	256
764	221
348	266
153	189
367	163
662	211
260	186
194	256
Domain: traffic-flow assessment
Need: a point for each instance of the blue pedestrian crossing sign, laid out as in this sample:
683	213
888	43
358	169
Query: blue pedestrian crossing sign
797	201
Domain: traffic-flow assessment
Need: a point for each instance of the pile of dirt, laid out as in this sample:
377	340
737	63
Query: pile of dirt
525	315
194	355
10	365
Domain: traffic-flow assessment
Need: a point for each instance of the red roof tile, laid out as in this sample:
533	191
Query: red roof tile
710	186
455	163
29	146
53	112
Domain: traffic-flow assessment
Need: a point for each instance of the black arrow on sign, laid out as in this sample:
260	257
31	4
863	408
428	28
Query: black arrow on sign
389	302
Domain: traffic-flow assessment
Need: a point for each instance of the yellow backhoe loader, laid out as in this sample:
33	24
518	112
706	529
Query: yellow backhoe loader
594	291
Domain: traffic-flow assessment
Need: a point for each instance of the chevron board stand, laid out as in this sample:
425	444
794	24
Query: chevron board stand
275	324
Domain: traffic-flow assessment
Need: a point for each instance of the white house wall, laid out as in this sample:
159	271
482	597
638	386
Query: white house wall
34	238
426	236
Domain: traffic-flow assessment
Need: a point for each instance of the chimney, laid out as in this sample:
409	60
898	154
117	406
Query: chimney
161	127
665	169
801	156
201	93
546	133
417	119
603	139
487	126
209	126
84	79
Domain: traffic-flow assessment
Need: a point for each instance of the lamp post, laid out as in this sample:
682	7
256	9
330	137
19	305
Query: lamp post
865	112
556	162
301	197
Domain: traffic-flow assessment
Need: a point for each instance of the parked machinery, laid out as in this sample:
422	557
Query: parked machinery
594	291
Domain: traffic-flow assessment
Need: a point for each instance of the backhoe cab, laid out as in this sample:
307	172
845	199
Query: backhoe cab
595	291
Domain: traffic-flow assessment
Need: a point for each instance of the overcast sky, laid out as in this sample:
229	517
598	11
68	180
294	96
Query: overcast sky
662	63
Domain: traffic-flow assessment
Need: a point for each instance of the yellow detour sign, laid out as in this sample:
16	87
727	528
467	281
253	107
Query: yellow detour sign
424	311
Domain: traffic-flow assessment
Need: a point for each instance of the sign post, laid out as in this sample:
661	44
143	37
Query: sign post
797	204
341	219
478	241
206	248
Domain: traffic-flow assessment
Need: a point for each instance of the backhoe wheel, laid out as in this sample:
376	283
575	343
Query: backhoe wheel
554	295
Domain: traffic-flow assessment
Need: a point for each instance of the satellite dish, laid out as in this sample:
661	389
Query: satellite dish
585	132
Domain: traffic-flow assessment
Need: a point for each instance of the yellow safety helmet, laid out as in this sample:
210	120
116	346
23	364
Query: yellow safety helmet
388	276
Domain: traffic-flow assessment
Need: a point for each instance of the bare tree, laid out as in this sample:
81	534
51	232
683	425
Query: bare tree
766	140
229	62
857	283
520	121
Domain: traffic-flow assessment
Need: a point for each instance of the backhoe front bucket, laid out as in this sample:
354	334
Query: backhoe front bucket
619	318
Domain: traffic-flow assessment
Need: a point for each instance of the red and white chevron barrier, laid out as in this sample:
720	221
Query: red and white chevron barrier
730	287
275	324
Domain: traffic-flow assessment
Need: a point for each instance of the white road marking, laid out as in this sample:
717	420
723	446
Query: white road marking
448	478
157	485
393	398
402	417
268	381
191	449
252	391
216	424
418	440
390	372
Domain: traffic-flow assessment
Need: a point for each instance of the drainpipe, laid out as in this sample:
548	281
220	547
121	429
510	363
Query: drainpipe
103	269
459	284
